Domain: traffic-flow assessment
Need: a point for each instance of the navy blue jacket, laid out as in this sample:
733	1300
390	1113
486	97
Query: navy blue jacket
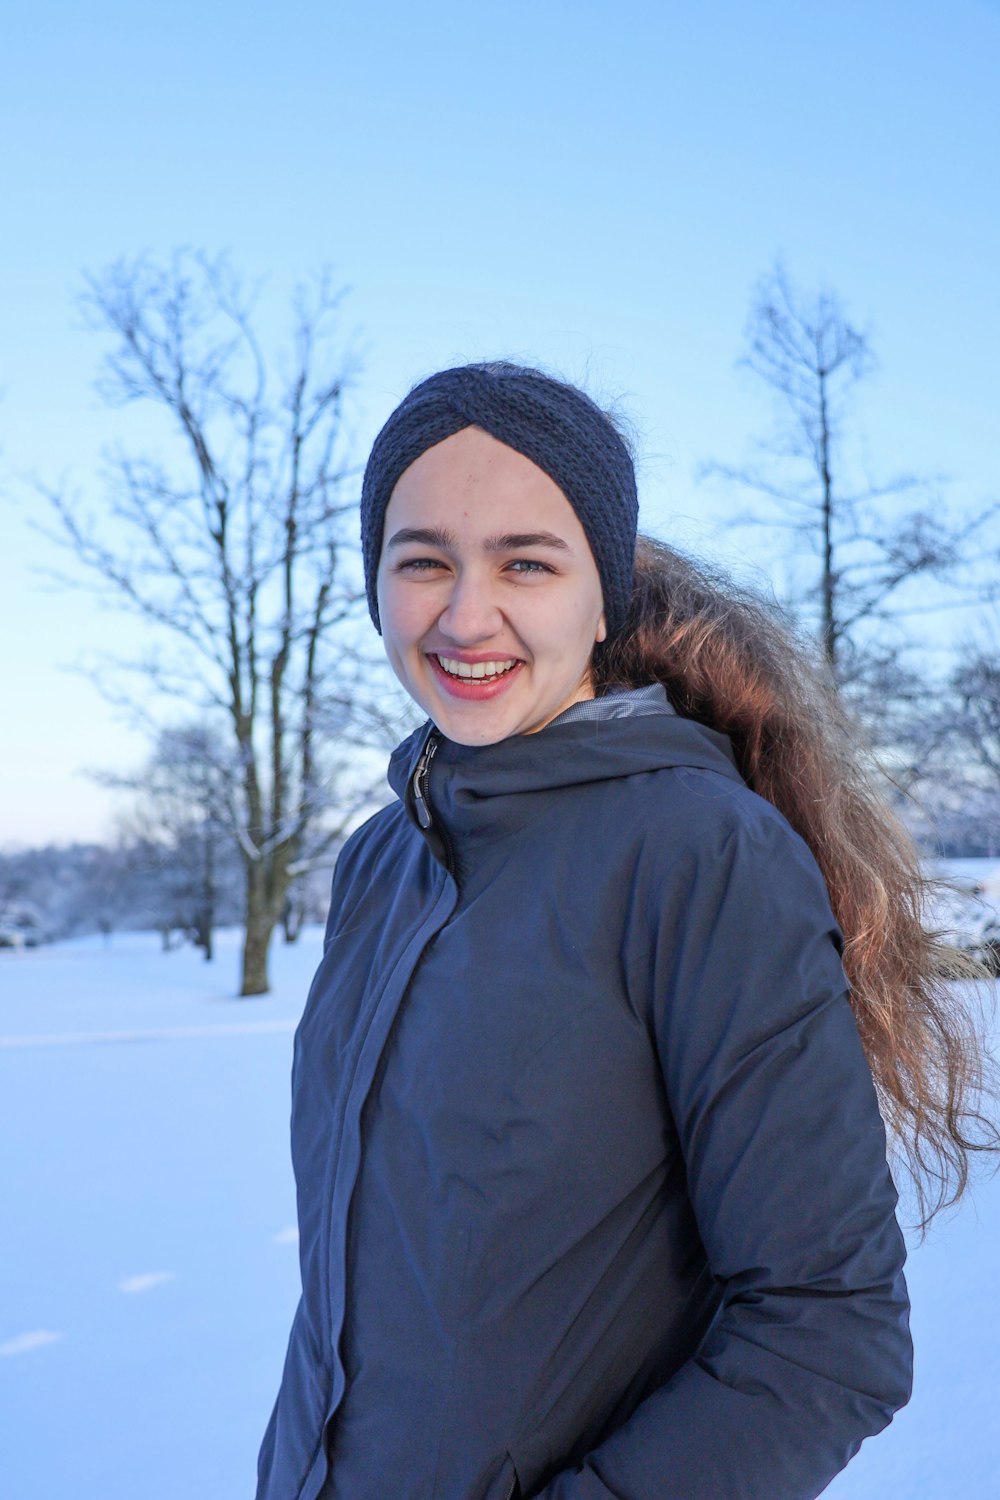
592	1189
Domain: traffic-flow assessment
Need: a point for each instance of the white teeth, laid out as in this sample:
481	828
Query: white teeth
478	668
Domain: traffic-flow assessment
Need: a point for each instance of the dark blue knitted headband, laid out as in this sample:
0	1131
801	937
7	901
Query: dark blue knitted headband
555	425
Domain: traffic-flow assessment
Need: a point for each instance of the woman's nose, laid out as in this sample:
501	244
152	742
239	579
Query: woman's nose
472	613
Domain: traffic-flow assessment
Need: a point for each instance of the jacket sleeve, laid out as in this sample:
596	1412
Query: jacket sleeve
776	1113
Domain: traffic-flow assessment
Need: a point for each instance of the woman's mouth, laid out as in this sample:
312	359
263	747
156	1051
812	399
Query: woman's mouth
477	669
478	679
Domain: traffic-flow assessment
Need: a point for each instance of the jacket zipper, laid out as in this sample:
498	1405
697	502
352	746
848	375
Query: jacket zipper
421	777
421	784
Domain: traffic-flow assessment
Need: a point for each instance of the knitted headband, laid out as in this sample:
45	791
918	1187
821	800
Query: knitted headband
555	425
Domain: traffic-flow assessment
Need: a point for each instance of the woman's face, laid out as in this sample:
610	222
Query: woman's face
488	594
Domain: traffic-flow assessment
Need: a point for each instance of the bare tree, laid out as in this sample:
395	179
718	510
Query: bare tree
234	551
971	724
179	831
976	681
808	352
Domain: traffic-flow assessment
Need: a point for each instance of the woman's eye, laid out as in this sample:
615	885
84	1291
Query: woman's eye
526	567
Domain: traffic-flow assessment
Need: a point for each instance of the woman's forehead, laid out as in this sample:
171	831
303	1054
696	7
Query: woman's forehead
472	482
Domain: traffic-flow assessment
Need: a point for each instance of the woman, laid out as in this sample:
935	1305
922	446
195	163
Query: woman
592	1183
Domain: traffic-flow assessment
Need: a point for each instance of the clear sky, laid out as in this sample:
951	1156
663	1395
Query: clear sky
596	186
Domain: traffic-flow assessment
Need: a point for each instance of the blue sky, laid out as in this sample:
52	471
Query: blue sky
594	186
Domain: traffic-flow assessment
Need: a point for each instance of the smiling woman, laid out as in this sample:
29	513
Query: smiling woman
592	1183
488	594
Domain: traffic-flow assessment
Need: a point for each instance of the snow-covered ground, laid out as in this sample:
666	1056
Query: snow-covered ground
148	1269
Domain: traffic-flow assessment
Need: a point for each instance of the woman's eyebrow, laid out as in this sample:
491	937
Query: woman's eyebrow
510	541
426	536
437	536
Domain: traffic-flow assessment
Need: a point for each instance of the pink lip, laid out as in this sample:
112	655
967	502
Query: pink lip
473	656
469	688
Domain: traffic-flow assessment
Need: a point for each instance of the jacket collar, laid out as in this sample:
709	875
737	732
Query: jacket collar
486	791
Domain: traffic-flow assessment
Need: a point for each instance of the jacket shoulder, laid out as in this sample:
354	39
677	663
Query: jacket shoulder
710	838
702	807
382	824
372	850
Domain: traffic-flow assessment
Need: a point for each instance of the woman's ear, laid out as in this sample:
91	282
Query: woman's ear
602	630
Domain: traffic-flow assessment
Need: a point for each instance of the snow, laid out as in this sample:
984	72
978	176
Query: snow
148	1266
148	1277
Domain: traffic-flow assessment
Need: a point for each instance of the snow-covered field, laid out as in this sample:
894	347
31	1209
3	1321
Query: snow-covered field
148	1269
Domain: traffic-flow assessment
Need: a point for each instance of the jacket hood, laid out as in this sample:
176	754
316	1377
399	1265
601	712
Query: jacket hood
482	787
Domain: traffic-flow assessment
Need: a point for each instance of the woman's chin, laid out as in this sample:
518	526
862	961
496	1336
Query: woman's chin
481	727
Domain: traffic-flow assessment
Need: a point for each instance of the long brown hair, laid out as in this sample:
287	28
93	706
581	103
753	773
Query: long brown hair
733	660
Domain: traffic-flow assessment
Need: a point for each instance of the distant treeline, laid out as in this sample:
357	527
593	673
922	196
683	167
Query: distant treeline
62	891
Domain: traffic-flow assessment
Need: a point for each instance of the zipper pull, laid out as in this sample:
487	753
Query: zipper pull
421	778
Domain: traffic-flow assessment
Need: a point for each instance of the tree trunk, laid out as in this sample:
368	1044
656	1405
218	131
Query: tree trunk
206	917
292	918
204	926
257	939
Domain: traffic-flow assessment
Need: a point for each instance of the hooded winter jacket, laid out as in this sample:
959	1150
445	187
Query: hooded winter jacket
592	1189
